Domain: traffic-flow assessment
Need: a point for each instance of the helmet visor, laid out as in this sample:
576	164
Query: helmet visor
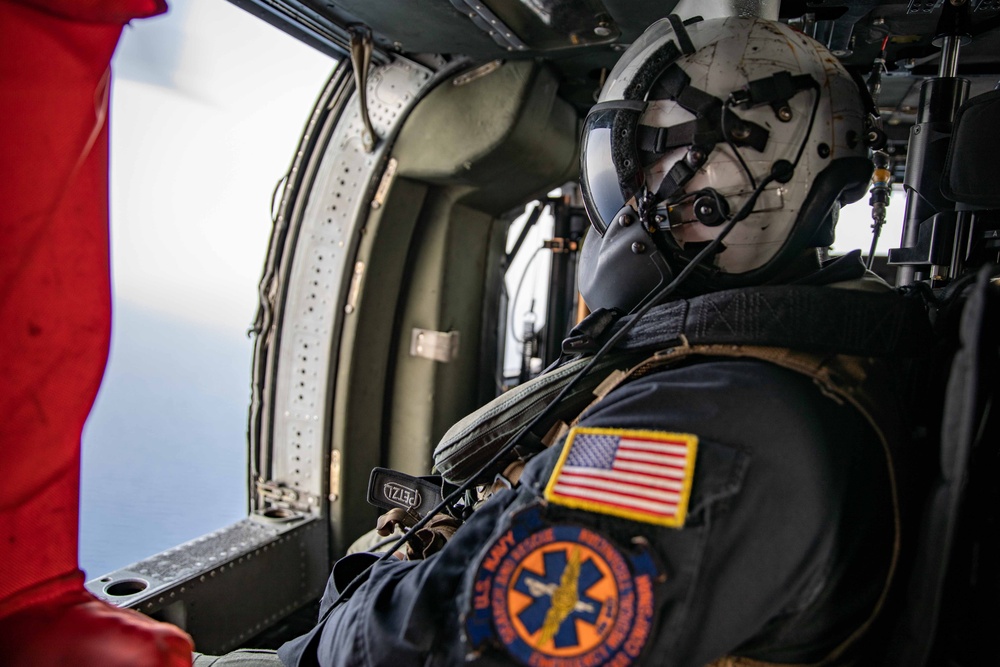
610	173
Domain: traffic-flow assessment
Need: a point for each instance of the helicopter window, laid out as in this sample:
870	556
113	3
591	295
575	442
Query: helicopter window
854	228
854	231
526	285
208	105
543	244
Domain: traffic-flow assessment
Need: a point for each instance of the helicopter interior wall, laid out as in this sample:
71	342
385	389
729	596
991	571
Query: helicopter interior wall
363	372
431	254
505	135
444	292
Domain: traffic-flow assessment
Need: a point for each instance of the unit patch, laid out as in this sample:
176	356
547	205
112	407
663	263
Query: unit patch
637	475
561	596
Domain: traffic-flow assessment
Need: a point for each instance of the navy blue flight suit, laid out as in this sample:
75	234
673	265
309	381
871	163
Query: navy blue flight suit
784	555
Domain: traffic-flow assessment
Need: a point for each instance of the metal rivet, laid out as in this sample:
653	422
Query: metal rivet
784	114
659	218
740	131
624	219
638	248
823	150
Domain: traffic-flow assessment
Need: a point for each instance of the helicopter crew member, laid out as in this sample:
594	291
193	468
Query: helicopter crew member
731	504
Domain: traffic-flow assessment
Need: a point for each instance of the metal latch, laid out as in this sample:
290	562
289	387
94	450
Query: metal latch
275	492
436	345
276	495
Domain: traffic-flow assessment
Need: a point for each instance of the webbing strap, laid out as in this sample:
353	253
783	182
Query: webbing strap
820	320
705	132
658	140
815	319
683	38
775	90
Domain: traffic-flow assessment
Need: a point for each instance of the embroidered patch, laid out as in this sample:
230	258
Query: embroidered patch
638	475
561	596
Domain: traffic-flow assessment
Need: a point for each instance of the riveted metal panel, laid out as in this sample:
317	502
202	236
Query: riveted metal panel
319	271
227	586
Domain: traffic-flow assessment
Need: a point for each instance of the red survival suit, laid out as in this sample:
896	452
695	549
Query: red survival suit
55	320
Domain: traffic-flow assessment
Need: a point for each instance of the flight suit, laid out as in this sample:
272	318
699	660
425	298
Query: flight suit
782	553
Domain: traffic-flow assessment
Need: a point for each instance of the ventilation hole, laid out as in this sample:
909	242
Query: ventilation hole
126	587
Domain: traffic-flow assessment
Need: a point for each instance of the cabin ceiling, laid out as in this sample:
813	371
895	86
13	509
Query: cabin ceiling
583	38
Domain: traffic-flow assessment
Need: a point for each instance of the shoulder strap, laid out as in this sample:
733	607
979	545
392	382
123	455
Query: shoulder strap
819	320
799	317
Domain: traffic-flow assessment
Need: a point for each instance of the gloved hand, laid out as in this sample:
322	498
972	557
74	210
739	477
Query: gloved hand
428	540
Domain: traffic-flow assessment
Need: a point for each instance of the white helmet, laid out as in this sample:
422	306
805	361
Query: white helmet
693	120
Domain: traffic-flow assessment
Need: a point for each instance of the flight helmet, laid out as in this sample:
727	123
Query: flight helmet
706	121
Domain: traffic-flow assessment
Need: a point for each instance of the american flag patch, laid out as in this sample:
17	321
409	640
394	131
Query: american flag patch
638	475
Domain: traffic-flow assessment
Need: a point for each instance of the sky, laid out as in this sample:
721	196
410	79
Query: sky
208	104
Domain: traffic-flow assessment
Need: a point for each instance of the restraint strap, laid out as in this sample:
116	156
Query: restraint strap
819	320
800	317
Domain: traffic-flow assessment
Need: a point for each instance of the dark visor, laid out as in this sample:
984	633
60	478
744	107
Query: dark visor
610	169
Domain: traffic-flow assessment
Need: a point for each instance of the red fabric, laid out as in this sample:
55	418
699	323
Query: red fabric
55	314
75	629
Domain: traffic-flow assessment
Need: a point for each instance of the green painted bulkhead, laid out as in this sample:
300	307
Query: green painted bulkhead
431	257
